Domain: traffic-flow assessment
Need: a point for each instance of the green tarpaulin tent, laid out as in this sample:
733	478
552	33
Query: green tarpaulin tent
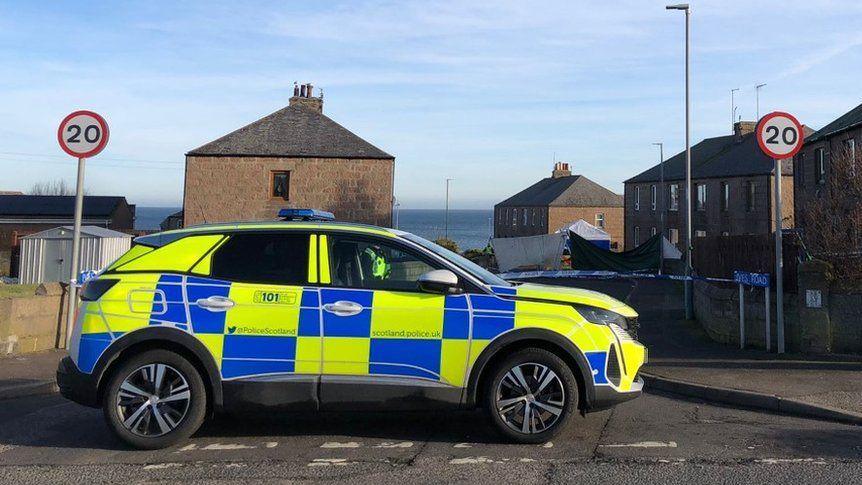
588	256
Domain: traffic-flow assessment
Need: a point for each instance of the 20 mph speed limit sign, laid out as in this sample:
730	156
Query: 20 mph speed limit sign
83	134
779	135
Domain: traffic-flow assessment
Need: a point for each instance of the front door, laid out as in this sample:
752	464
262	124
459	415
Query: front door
385	342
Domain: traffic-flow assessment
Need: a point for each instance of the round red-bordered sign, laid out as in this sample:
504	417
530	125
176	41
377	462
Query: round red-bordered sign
780	135
83	134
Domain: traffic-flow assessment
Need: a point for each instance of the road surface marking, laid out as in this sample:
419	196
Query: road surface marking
471	460
227	446
330	462
526	460
335	444
779	461
643	444
549	444
462	445
403	444
270	444
161	466
190	447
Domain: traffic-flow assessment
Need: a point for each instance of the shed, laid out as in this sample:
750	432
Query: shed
47	255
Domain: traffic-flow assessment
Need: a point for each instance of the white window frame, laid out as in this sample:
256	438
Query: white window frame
600	220
653	197
637	197
820	165
674	197
673	235
701	203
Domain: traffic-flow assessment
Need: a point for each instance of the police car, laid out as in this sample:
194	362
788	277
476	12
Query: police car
311	314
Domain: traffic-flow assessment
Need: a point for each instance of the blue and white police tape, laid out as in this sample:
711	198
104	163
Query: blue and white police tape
585	274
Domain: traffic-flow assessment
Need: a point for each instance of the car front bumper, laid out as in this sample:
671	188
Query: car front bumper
75	385
607	397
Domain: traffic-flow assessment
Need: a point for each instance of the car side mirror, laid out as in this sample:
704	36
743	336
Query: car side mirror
439	281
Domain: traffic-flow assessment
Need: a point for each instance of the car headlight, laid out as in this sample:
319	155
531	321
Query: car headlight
601	316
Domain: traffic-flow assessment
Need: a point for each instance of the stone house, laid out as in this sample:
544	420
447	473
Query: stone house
812	163
554	202
21	215
732	192
294	157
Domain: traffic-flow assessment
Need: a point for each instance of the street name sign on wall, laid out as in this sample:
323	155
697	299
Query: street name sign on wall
779	135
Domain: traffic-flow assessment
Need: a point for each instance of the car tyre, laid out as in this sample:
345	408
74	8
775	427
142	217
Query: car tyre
155	399
531	395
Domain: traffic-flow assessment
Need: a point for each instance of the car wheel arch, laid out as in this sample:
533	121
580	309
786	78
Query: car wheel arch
524	338
158	337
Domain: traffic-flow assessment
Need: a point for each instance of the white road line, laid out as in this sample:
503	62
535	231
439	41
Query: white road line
643	444
270	444
403	444
779	461
549	444
335	444
471	460
227	446
330	462
161	466
462	445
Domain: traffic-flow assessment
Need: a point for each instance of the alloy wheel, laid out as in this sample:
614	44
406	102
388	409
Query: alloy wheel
153	400
530	398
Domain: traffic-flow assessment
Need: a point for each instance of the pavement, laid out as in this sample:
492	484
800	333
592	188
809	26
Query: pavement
29	374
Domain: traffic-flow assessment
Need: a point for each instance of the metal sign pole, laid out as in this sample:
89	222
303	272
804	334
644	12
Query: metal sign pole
741	316
76	245
779	261
768	326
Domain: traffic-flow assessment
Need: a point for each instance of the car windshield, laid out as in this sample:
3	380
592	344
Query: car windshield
474	269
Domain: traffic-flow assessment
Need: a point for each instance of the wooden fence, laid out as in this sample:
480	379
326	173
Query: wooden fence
719	256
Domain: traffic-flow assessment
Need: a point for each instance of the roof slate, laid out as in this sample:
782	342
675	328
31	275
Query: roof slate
292	131
721	156
57	205
570	191
844	122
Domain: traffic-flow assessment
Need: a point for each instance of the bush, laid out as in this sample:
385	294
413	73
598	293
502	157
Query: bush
448	244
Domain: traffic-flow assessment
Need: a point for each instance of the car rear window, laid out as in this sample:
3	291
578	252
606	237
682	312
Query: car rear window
272	258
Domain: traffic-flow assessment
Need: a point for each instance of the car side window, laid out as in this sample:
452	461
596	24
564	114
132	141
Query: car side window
375	265
272	258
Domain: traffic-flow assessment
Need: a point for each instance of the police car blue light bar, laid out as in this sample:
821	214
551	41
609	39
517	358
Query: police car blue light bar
305	215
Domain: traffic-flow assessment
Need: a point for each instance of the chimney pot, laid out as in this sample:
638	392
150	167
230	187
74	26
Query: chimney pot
295	88
742	128
303	97
309	91
302	91
561	169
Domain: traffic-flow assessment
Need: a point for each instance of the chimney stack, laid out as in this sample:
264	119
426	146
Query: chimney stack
561	169
742	128
303	97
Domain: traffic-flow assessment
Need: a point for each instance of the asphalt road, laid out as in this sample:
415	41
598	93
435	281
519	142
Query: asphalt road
654	439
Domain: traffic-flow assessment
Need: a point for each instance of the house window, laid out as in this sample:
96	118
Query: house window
820	166
725	233
701	197
673	235
850	147
534	217
652	231
699	233
637	198
280	186
652	197
725	196
525	216
674	197
514	217
749	196
600	220
637	235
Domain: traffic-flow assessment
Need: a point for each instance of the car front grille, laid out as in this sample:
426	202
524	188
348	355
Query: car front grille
613	371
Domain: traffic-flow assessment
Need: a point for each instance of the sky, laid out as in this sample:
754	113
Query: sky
487	93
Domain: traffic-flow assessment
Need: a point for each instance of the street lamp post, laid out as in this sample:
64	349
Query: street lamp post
661	207
757	97
689	313
732	108
446	217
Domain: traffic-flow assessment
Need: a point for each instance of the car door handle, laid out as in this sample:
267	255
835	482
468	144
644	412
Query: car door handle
216	303
343	308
